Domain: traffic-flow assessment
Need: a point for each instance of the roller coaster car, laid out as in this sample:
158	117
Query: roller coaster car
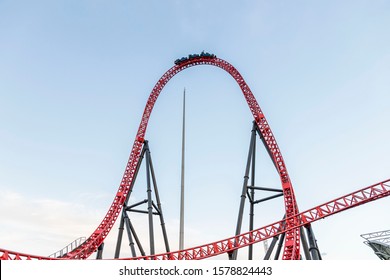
203	54
192	56
180	60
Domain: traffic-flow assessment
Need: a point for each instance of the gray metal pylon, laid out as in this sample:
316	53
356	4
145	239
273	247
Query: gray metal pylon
122	221
233	255
130	233
248	191
159	207
251	195
151	206
314	251
99	254
304	244
280	244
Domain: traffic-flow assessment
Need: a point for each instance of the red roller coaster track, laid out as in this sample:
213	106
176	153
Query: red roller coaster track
293	221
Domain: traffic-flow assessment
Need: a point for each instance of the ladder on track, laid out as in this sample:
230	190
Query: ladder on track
68	248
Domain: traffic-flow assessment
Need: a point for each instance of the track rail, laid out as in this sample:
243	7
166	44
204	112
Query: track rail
354	199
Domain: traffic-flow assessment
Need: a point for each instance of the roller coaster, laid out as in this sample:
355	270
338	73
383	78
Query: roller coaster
289	231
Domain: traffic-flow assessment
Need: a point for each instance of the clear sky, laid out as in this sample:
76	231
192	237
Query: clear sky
75	77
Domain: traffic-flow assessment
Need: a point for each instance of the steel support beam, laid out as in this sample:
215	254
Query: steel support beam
130	233
121	224
305	245
150	205
314	251
158	207
152	209
249	191
99	254
233	255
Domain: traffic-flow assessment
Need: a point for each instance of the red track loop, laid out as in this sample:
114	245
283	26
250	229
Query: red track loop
291	249
292	239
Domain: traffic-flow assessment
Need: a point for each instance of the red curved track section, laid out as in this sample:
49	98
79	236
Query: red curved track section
357	198
291	249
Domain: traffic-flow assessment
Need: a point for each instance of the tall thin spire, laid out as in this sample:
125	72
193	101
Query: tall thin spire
181	234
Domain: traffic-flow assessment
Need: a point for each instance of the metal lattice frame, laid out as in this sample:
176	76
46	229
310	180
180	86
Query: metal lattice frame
379	242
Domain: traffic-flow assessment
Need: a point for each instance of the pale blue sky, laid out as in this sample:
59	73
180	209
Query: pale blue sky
75	77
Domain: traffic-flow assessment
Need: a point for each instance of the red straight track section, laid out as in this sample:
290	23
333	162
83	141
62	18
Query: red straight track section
357	198
11	255
337	205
